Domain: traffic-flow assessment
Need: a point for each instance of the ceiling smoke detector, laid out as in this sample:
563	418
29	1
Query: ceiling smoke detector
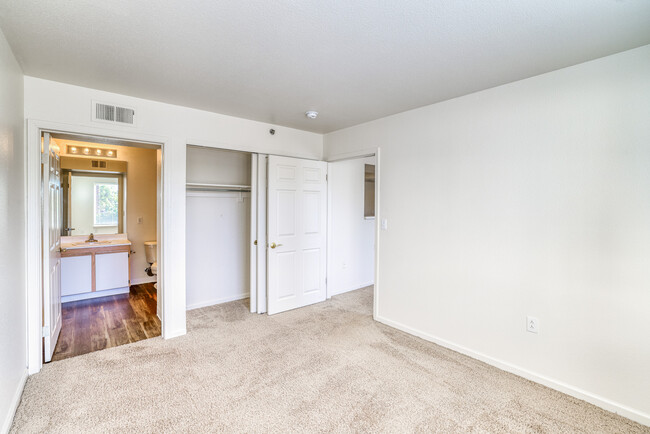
311	114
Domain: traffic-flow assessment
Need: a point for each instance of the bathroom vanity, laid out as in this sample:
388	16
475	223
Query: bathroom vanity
95	269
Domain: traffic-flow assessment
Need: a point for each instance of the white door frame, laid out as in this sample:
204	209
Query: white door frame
370	152
34	262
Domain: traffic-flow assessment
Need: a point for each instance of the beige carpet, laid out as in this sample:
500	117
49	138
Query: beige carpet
324	368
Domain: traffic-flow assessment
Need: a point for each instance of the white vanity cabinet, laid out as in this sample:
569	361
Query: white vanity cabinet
76	275
90	272
111	270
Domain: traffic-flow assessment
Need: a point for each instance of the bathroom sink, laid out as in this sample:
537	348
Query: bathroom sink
94	243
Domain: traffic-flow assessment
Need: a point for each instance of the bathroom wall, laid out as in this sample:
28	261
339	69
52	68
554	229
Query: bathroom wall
141	192
13	330
218	228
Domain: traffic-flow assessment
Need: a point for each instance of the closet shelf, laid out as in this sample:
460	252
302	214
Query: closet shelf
225	187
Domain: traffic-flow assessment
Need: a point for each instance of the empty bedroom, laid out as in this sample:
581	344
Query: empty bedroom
303	216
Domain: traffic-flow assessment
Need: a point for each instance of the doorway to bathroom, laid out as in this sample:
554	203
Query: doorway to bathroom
101	221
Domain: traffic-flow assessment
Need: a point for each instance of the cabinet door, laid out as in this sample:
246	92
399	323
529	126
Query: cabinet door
111	270
76	275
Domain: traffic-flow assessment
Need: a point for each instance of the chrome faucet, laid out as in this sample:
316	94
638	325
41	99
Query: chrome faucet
91	239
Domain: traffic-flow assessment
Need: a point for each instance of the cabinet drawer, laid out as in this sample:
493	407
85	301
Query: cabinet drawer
111	270
76	275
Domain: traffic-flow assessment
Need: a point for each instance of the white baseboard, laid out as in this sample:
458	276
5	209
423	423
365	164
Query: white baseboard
96	294
141	280
217	301
599	401
354	288
15	400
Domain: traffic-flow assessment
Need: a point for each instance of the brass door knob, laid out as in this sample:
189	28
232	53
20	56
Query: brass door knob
61	249
273	245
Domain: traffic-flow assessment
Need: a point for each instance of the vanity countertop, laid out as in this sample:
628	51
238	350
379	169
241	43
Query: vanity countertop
79	242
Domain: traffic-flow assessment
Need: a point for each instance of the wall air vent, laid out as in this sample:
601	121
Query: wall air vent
99	163
103	112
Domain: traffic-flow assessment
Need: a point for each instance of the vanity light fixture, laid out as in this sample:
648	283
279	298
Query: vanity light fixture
95	152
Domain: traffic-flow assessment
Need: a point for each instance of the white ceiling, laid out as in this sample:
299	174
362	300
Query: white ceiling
352	61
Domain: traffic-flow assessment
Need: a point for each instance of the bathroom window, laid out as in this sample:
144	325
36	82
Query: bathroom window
106	204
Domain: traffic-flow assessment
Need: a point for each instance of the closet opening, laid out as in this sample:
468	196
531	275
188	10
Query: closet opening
220	226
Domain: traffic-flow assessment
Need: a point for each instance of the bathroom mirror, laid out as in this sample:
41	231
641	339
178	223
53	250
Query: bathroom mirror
93	202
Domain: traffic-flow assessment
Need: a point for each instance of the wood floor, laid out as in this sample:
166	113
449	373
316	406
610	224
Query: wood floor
92	325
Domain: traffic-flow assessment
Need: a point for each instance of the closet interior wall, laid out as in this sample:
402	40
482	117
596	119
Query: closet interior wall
218	226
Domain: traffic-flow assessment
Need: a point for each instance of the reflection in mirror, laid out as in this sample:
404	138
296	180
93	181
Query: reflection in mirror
92	203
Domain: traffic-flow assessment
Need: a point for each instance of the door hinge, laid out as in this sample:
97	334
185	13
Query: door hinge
44	157
327	177
46	331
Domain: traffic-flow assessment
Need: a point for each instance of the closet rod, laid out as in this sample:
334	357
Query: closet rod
221	187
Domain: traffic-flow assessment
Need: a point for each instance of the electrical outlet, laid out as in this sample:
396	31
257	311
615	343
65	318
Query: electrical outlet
140	220
532	324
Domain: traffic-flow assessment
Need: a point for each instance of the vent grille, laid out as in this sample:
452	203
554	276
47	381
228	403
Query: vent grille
99	163
124	115
105	112
115	114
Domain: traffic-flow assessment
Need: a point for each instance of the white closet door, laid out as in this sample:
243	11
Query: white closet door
261	233
297	232
253	241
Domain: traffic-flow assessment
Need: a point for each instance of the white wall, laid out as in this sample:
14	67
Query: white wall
216	166
532	198
13	330
70	108
141	201
218	240
352	242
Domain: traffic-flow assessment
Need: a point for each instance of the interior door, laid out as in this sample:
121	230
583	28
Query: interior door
297	232
52	222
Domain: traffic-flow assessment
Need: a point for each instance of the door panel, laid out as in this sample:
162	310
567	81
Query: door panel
297	207
52	222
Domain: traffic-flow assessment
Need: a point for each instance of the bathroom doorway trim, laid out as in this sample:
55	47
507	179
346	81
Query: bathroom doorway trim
34	262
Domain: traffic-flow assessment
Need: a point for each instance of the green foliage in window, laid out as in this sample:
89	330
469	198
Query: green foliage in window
106	204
